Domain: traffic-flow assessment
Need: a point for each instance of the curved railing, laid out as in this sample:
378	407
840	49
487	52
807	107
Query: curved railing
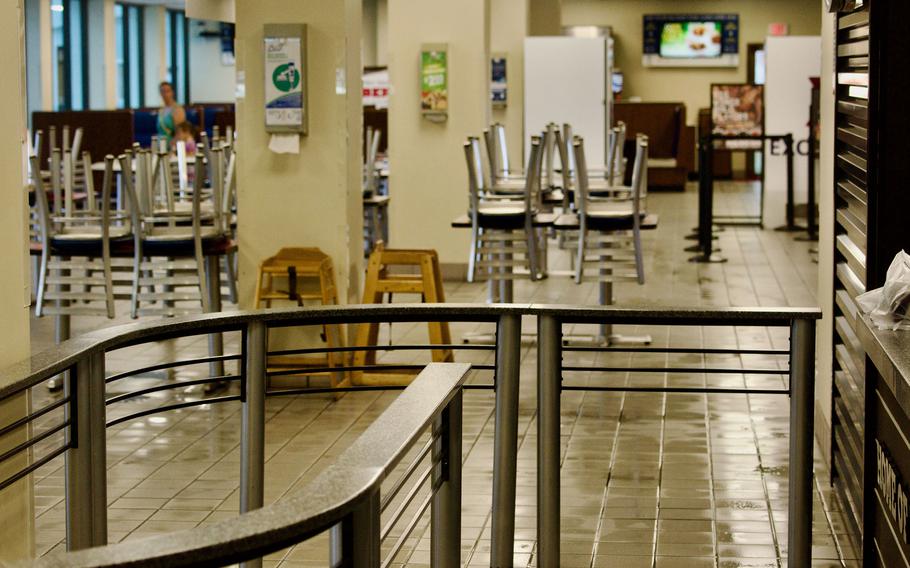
348	499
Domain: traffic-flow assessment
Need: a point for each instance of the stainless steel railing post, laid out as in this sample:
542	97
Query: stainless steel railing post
86	461
549	378
802	440
505	440
445	531
252	439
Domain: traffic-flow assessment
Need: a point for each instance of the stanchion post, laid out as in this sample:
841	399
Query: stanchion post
802	397
505	439
706	202
549	378
811	224
252	438
445	529
791	206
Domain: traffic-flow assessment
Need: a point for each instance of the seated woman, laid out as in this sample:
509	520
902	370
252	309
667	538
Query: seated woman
171	114
186	133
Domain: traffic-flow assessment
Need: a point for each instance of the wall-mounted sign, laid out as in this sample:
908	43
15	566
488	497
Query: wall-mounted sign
691	40
778	29
498	81
376	88
434	82
737	110
285	78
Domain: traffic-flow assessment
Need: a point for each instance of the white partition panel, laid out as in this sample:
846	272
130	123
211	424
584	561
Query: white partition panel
790	61
566	81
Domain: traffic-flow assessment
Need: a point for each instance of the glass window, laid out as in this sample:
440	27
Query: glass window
128	23
120	54
69	75
178	54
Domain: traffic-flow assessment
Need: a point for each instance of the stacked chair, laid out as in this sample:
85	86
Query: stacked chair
610	227
179	237
76	268
502	224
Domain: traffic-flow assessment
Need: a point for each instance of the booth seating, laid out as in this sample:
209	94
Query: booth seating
671	141
106	132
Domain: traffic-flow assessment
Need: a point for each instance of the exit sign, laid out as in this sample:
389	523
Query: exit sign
778	29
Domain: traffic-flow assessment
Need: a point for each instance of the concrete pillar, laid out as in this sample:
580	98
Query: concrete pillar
545	17
428	180
509	21
313	199
17	537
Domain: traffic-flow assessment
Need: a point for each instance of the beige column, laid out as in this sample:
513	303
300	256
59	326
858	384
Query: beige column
508	29
428	180
314	198
17	537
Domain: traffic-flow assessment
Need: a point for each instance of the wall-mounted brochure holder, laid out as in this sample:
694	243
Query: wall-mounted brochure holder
499	93
286	109
434	82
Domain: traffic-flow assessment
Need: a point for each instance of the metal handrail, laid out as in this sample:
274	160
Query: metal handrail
40	367
345	492
84	402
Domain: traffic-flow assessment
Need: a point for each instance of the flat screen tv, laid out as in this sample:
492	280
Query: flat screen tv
691	40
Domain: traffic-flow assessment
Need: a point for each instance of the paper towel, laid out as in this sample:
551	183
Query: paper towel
285	143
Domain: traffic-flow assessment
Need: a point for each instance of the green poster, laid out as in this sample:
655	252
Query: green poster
434	82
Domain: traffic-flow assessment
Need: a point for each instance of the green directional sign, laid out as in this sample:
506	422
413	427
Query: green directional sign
286	77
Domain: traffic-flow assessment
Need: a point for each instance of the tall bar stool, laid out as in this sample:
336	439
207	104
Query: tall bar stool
502	226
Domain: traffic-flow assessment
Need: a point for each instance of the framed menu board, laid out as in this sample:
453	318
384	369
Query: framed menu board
434	82
737	110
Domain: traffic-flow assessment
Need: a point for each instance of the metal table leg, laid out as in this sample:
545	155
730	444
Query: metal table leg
213	289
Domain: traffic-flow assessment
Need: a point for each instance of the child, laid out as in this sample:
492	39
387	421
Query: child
186	133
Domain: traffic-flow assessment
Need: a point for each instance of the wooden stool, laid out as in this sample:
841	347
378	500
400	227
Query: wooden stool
427	282
299	265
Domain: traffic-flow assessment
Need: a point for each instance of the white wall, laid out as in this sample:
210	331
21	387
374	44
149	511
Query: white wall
790	62
823	380
210	80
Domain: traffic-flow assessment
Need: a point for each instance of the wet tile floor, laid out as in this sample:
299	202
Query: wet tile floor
648	480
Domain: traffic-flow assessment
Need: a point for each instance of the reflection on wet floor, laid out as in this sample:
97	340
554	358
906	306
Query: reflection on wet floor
648	480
